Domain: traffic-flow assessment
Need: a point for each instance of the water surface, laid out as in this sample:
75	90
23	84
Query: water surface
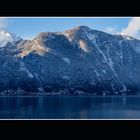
67	107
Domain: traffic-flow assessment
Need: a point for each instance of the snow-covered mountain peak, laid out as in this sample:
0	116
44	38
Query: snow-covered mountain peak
127	37
4	33
80	59
6	36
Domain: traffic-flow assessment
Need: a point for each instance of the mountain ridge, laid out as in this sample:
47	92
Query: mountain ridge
75	62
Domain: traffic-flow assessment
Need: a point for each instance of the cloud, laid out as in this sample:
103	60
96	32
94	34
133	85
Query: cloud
3	22
133	28
111	30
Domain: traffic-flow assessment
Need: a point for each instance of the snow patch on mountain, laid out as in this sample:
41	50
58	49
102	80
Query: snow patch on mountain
108	63
124	88
96	72
6	37
111	64
104	71
127	37
83	46
24	69
66	60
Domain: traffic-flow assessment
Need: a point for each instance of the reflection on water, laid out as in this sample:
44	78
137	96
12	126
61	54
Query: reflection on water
70	107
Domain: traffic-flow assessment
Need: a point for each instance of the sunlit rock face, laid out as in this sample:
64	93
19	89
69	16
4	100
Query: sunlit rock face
78	60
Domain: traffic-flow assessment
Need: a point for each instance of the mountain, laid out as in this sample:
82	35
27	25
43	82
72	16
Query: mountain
77	61
7	37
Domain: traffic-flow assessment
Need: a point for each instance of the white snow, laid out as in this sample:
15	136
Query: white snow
121	51
131	62
23	68
127	37
124	88
6	37
83	46
30	74
104	71
36	75
66	60
96	73
110	63
68	36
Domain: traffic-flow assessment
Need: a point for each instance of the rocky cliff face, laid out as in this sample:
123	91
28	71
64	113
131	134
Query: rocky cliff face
80	60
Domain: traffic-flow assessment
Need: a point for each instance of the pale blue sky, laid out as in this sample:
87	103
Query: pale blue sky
28	28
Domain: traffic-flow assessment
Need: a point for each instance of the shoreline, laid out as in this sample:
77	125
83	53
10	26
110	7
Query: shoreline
101	96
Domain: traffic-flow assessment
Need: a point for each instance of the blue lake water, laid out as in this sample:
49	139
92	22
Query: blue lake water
70	107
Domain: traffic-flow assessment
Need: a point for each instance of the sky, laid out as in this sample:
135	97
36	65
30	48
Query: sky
28	28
